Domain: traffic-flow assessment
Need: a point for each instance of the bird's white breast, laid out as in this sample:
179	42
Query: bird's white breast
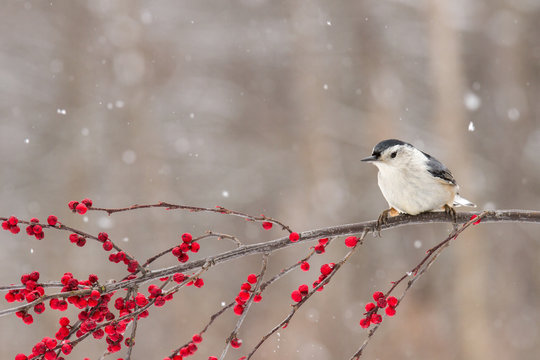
413	190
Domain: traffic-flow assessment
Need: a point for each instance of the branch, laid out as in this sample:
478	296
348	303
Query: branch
340	230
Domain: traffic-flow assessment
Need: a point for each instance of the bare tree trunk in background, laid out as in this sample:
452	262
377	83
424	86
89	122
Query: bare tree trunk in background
473	337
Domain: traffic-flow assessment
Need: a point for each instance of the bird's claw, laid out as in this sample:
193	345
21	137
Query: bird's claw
452	212
383	219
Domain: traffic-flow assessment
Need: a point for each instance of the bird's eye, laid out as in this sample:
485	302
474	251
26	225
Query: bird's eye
393	155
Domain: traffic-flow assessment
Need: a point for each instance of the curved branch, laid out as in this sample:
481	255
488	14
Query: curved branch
529	216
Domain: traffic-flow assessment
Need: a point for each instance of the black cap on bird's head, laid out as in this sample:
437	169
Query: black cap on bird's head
383	145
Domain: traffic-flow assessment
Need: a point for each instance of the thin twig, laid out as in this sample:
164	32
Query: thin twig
417	271
297	306
246	307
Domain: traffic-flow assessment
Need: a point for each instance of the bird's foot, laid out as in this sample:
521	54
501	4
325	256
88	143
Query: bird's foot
452	212
383	218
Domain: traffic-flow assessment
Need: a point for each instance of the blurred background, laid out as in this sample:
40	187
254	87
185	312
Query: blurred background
266	107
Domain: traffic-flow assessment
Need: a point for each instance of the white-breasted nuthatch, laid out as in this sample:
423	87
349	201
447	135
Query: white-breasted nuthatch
412	181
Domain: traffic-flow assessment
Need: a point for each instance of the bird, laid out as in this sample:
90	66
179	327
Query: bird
413	182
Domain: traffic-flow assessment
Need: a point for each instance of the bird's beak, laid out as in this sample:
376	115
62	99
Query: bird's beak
370	158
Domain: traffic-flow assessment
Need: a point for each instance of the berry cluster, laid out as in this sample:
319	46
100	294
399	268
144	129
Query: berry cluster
94	308
103	237
80	207
188	349
34	229
303	290
187	244
245	293
11	225
120	256
46	349
381	302
321	247
326	269
31	292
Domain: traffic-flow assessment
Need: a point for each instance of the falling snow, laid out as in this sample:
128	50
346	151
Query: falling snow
513	114
471	126
472	101
129	157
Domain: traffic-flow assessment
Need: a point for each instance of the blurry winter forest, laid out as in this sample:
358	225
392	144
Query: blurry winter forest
266	107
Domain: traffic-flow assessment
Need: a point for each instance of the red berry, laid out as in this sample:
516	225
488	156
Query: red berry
34	275
319	249
377	295
323	241
160	301
376	318
15	229
370	306
326	269
351	241
238	309
81	209
24	357
195	247
28	319
236	343
64	321
245	286
252	278
66	349
392	301
381	302
141	300
183	257
257	298
107	245
103	236
303	289
73	238
39	308
186	237
176	251
476	222
209	358
73	204
390	311
184	247
294	237
199	283
13	221
304	266
197	338
95	294
50	343
37	229
52	220
266	225
364	323
243	295
179	277
296	296
87	202
81	241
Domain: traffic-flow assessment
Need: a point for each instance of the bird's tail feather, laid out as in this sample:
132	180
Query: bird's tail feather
461	201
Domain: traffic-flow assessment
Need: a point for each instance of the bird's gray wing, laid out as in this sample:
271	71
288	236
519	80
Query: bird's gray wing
437	169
